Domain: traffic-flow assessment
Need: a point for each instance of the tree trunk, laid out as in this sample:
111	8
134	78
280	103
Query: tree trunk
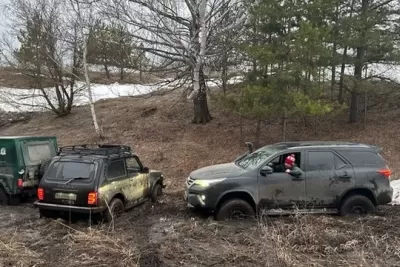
365	110
258	133
284	124
224	72
353	116
341	82
334	50
359	63
201	111
107	71
344	61
140	72
121	73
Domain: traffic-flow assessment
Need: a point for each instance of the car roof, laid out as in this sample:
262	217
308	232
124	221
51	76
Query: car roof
25	137
324	144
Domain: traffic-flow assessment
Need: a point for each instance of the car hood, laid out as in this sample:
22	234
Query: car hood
217	171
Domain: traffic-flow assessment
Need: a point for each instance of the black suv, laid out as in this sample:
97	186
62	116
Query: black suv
334	177
104	180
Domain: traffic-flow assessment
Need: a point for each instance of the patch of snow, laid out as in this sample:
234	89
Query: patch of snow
396	192
22	100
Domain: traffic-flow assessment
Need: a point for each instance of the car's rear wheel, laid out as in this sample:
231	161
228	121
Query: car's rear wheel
234	209
4	200
156	193
356	205
115	210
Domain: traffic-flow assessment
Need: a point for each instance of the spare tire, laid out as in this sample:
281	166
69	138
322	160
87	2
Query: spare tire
43	167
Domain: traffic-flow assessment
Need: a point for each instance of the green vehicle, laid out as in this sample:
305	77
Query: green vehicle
23	160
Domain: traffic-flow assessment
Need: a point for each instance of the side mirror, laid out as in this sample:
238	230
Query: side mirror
267	170
250	147
146	170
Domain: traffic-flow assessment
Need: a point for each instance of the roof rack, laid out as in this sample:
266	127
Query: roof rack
87	149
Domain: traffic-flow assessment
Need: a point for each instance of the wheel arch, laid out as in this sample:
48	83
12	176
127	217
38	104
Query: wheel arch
240	194
118	195
359	191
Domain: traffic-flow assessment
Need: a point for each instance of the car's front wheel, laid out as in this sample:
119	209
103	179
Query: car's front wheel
156	193
115	209
234	209
356	205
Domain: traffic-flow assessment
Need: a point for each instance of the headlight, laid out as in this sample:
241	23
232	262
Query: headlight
207	183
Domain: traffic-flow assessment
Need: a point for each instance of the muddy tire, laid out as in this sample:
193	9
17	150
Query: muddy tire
156	193
4	200
43	167
48	214
356	205
234	209
115	210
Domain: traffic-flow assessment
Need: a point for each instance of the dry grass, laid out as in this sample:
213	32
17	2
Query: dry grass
14	252
329	241
165	234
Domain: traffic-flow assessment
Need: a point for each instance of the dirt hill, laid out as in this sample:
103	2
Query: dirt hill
166	234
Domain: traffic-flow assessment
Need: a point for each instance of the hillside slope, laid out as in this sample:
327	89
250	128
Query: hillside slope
166	233
160	131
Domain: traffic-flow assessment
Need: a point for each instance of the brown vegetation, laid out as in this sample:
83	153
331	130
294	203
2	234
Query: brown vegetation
166	234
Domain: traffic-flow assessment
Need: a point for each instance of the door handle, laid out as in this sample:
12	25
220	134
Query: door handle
345	176
297	179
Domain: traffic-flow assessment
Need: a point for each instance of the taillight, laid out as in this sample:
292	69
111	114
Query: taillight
92	198
40	193
385	172
20	183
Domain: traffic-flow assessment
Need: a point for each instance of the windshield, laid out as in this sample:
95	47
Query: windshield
68	169
258	157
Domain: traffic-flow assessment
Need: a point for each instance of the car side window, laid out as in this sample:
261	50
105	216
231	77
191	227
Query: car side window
277	164
132	164
339	163
116	169
324	161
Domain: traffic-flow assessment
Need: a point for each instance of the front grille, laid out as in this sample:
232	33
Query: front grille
189	181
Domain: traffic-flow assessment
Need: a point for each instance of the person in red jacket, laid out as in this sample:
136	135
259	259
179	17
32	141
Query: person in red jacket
291	167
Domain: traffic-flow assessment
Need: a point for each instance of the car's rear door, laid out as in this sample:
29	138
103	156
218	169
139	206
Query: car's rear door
69	182
328	175
280	189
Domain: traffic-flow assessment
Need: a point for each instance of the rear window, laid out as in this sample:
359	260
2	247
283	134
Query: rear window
39	152
67	170
363	158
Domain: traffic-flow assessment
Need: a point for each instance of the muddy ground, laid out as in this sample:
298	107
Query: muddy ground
167	234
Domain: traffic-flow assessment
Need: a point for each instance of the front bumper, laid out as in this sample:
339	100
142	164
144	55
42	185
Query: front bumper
59	207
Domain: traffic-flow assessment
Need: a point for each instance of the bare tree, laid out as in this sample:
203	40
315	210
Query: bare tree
49	54
84	24
180	35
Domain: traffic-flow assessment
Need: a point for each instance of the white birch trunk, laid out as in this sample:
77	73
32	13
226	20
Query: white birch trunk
200	47
89	89
86	73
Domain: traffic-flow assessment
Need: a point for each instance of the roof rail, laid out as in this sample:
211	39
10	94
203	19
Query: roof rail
87	149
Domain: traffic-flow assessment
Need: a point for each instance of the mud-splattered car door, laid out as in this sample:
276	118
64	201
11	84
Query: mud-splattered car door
139	180
280	189
328	177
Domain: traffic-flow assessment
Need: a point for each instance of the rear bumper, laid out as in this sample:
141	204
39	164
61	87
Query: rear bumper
59	207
